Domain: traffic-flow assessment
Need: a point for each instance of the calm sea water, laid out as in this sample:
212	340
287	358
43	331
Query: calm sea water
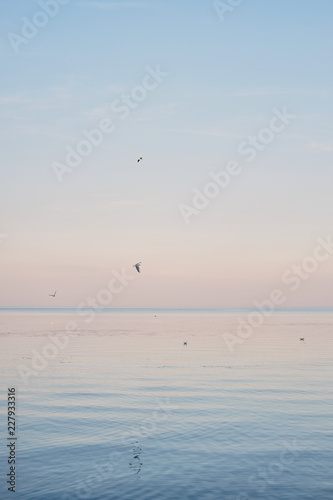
120	409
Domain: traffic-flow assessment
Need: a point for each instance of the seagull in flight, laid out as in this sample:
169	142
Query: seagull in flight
137	266
53	294
139	159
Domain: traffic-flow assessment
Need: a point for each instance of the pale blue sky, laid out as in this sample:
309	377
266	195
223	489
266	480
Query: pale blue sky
224	81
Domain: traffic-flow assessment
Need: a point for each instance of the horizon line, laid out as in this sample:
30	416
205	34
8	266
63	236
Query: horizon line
245	308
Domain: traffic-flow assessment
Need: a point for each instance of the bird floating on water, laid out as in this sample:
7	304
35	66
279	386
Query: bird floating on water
139	159
137	266
53	294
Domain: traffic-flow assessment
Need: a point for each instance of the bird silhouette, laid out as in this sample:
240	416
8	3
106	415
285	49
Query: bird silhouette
139	159
137	266
53	294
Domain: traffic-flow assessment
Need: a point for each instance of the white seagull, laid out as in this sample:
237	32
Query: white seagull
137	266
53	294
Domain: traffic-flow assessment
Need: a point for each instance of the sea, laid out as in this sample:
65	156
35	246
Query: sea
166	404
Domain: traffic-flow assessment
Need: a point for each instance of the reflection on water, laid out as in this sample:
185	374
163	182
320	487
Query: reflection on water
125	411
136	463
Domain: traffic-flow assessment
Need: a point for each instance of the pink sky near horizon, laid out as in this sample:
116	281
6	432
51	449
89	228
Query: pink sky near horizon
194	93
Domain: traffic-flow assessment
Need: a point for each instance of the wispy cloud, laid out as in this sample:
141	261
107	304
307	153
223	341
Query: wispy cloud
61	92
112	5
273	92
48	98
115	89
119	204
108	205
98	112
209	133
319	146
13	99
151	113
258	92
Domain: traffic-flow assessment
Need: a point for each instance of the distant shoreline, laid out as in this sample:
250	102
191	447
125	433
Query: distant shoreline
161	310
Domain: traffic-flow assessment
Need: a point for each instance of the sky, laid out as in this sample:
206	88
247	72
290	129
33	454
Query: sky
239	90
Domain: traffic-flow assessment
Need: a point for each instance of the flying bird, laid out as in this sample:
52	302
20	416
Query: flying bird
301	338
184	343
137	266
139	159
53	294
